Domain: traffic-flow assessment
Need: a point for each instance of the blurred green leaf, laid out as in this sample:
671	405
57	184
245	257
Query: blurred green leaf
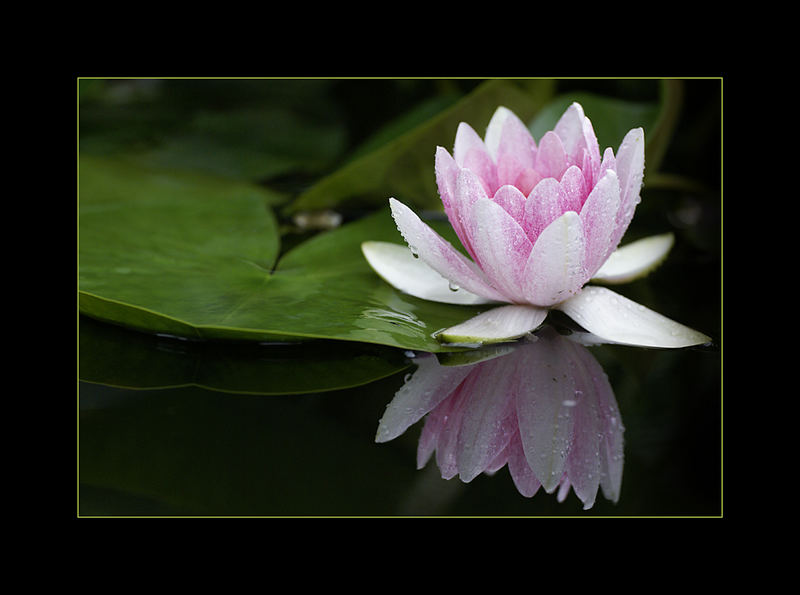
249	130
403	166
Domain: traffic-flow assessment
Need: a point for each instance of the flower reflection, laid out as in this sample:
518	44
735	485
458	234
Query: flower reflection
543	407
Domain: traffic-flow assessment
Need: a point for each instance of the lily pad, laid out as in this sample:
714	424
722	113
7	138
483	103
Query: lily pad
181	256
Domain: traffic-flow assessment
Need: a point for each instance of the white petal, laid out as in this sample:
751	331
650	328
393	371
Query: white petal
635	260
619	320
398	267
504	323
495	129
439	254
555	269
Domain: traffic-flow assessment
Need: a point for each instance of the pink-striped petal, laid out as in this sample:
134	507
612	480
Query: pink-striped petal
527	180
575	188
551	159
447	172
544	392
439	254
486	427
583	462
510	144
512	200
570	130
630	171
468	191
545	204
555	269
501	246
599	214
522	475
470	152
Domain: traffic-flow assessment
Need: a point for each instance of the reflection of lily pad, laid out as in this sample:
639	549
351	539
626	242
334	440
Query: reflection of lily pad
116	357
194	260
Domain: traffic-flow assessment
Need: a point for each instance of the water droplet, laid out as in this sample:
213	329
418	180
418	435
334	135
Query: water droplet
453	286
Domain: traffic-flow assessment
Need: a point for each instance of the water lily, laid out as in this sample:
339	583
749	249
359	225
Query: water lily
539	222
543	408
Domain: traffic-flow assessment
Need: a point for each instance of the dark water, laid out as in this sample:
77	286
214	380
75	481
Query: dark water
189	450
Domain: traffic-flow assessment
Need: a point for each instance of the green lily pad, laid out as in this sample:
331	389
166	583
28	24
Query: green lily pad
178	255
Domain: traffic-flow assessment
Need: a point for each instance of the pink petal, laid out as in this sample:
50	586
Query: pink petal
575	188
527	180
447	172
501	247
439	254
468	190
551	159
485	429
545	204
555	269
545	387
579	140
512	200
470	152
449	427
592	147
599	214
630	171
521	473
570	130
510	144
435	427
583	461
609	162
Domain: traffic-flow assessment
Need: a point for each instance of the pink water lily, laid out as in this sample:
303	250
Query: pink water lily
539	222
544	408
